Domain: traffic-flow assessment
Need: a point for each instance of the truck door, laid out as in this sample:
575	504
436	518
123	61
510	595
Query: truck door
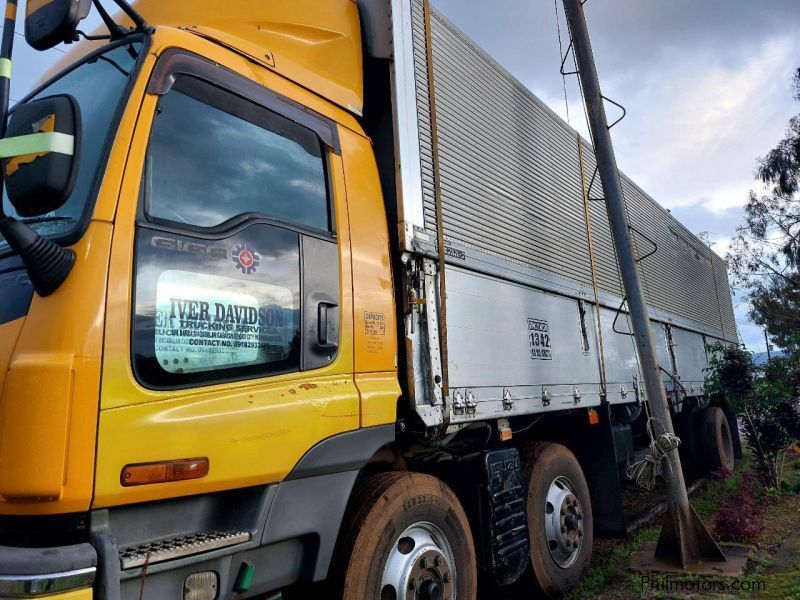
229	330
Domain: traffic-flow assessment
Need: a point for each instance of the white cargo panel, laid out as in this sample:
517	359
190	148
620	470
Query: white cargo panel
690	357
539	344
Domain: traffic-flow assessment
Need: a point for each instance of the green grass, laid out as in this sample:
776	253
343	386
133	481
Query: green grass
613	568
609	569
778	586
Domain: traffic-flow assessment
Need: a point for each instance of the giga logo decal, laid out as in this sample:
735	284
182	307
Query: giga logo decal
245	259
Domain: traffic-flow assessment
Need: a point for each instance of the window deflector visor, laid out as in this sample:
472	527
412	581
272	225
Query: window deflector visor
177	63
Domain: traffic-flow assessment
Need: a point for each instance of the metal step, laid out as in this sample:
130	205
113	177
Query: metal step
179	547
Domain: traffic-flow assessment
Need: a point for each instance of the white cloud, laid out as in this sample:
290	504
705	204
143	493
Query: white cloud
721	245
698	123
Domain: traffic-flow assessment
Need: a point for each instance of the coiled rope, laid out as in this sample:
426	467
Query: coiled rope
644	472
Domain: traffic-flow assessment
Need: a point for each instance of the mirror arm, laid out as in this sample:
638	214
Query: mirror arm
116	30
138	20
93	38
48	264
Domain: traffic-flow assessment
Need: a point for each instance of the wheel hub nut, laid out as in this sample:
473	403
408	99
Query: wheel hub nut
563	526
430	590
419	566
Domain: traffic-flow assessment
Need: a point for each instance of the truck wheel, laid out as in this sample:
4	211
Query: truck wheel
559	518
405	537
717	440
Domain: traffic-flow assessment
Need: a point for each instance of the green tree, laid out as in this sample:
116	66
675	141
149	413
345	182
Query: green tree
766	399
765	254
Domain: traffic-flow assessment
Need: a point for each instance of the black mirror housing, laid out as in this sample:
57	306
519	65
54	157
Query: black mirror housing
43	181
50	22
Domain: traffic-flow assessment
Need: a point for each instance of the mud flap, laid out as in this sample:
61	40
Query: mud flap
597	452
504	524
686	428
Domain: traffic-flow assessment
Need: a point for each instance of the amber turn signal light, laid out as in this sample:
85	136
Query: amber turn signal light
162	472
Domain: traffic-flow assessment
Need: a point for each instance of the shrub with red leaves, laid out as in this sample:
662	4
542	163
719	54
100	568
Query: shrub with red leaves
721	474
740	518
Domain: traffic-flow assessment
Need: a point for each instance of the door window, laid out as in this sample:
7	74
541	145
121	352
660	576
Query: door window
235	197
215	156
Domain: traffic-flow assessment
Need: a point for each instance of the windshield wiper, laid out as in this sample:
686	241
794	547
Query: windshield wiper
50	219
115	65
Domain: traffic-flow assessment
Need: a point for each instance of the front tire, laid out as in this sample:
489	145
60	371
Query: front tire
405	537
560	521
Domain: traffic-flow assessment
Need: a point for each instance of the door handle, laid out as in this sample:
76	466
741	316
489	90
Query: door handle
322	322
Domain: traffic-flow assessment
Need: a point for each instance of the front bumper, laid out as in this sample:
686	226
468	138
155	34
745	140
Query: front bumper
68	571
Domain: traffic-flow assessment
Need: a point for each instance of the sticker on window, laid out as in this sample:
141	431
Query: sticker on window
206	322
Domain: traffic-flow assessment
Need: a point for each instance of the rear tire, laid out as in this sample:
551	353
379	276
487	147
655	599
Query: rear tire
717	440
560	521
405	535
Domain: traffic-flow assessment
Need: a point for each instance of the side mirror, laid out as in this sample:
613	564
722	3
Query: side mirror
50	22
41	154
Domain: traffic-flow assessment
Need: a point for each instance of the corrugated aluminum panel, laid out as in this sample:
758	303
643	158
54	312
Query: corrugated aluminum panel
726	301
511	185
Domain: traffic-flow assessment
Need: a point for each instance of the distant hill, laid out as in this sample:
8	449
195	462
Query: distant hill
760	358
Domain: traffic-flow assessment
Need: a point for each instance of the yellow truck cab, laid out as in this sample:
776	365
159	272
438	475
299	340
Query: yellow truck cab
241	386
223	144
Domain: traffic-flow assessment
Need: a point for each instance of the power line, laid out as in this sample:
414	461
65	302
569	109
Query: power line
23	36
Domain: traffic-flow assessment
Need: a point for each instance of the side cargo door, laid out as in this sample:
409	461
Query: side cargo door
229	332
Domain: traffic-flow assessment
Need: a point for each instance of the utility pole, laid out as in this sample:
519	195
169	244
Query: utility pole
769	351
684	539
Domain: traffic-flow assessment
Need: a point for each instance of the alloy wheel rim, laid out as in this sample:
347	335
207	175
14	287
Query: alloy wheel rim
564	520
420	566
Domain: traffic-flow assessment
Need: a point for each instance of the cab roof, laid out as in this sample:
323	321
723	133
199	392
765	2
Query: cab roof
315	43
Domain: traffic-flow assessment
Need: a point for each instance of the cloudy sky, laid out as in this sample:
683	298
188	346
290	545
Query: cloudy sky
707	85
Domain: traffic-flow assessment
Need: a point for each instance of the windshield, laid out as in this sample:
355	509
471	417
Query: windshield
98	85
